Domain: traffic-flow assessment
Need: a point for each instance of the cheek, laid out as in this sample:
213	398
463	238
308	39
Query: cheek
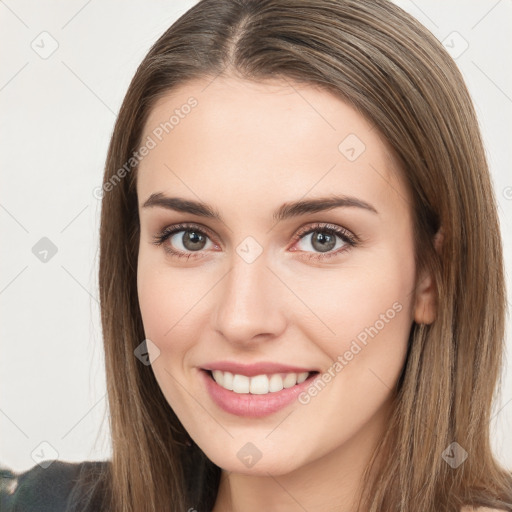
366	315
172	303
169	306
348	301
156	304
369	308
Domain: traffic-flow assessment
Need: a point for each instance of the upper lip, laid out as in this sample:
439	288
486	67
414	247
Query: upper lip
250	370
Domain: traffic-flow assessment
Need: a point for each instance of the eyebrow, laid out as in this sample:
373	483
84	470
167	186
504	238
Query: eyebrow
285	211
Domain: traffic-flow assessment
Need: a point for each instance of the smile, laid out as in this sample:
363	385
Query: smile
253	396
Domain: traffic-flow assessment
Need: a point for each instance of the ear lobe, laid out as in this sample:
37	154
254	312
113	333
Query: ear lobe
424	308
425	302
438	239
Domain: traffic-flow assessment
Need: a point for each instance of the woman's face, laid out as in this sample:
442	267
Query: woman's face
259	279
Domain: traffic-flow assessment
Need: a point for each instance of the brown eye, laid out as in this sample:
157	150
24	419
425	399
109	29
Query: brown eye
191	240
182	241
327	239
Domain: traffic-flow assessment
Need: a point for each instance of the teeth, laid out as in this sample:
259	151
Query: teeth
241	384
260	384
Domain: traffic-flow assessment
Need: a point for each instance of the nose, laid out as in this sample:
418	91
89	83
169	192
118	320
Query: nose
251	304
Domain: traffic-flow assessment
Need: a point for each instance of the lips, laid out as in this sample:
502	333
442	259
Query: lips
252	405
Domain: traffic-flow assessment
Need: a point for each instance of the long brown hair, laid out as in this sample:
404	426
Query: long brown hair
382	61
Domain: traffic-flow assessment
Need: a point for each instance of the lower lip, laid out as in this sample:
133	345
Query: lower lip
253	406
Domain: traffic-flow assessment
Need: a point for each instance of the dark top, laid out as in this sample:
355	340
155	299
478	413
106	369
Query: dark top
57	486
47	488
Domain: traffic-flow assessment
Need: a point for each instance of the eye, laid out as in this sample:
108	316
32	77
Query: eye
328	239
186	237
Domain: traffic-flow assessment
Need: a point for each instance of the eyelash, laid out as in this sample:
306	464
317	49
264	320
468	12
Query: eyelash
347	237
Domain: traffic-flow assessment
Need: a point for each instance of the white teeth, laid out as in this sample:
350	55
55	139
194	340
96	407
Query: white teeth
228	380
219	378
275	383
302	377
259	384
290	380
240	383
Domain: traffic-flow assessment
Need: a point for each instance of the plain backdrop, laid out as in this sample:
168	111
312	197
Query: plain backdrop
65	67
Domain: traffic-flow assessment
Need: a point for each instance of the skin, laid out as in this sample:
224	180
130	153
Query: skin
246	149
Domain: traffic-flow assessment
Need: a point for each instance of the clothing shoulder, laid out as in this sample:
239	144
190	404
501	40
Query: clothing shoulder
46	487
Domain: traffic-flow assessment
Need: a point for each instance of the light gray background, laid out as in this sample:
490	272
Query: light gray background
58	112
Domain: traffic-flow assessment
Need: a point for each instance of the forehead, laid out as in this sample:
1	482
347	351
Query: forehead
262	142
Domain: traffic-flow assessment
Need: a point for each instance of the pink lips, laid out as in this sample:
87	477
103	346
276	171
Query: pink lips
249	405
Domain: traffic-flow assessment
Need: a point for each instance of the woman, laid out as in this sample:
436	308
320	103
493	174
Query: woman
301	271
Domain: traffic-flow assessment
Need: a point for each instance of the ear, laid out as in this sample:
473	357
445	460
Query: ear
425	300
